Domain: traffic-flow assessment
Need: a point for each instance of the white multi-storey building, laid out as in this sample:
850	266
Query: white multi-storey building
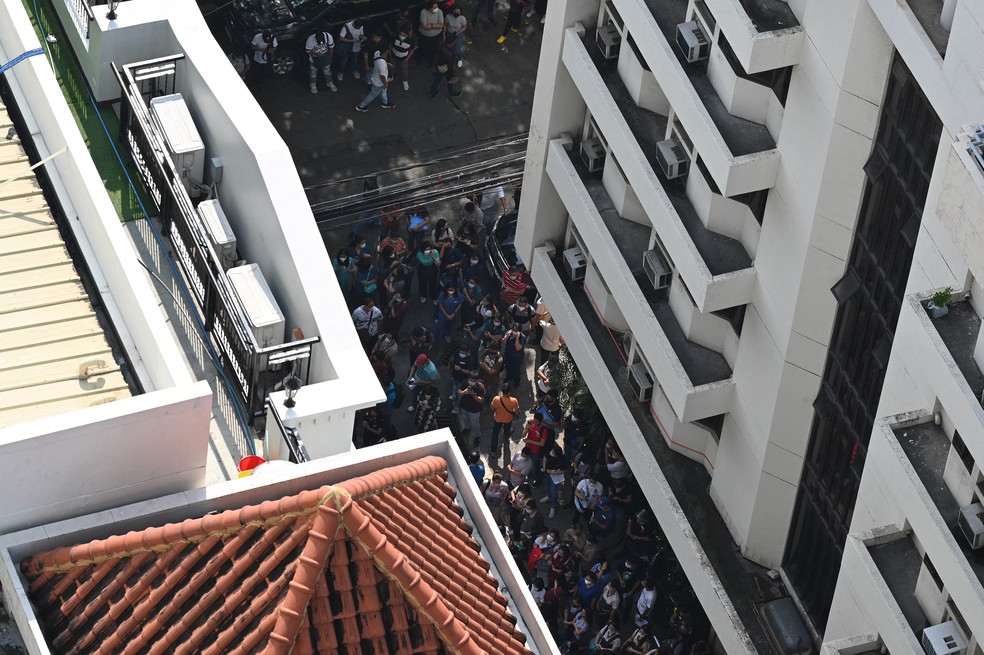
735	210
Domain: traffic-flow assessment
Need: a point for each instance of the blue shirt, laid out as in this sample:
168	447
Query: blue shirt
478	470
426	372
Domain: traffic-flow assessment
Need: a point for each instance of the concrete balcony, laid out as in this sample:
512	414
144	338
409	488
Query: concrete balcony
944	356
740	155
717	270
764	34
728	586
696	380
917	472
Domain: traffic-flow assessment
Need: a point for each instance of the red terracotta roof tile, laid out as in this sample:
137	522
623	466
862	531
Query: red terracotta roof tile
381	564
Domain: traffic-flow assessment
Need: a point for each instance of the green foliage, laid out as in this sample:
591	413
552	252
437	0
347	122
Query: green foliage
574	394
942	298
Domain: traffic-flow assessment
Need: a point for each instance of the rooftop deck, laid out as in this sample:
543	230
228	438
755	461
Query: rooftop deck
927	12
898	562
55	354
721	254
745	582
742	137
959	330
926	446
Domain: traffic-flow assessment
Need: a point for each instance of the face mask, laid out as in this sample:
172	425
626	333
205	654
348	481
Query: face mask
343	260
474	261
362	245
471	285
462	354
427	252
451	293
496	323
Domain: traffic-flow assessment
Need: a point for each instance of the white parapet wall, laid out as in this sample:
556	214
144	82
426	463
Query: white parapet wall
261	194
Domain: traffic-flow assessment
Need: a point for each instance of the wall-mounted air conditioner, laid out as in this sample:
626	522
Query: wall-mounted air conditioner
657	269
944	639
177	128
220	234
608	40
672	159
693	41
971	522
641	383
593	155
575	264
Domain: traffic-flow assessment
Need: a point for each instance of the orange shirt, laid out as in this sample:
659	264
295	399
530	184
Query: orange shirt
504	409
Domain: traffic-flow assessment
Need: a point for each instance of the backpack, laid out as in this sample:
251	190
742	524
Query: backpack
400	395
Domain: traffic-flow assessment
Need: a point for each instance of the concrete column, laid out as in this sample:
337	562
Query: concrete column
946	16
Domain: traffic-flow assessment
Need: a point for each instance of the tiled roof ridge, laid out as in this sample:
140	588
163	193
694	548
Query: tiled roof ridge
397	567
228	522
154	540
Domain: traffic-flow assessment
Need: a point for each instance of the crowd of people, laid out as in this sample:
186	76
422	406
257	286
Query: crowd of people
380	51
570	510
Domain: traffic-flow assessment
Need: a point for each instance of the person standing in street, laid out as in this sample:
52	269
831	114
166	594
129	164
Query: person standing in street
320	49
430	30
443	63
504	410
350	47
455	26
514	19
471	395
513	355
379	82
401	52
264	46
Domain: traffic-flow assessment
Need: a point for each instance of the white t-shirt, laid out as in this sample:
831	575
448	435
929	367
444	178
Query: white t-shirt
618	469
522	465
591	492
490	196
315	49
380	71
259	56
550	341
351	31
454	24
647	598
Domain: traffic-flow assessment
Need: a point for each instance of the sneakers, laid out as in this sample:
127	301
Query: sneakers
423	299
361	108
333	88
341	76
454	94
389	106
314	88
411	408
460	63
501	39
517	30
357	75
545	499
455	410
553	513
406	85
434	303
531	13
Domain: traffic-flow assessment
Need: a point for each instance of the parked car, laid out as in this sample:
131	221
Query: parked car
293	21
500	252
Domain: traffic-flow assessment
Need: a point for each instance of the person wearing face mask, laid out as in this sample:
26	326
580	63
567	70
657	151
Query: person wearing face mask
396	312
472	267
345	271
471	294
461	365
448	309
428	263
495	332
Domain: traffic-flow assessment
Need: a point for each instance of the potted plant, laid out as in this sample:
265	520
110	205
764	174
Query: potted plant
938	306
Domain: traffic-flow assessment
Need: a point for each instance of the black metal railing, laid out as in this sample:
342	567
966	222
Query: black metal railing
222	317
296	452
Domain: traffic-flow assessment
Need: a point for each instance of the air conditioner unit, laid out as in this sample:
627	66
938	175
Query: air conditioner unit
657	269
672	159
944	639
258	304
608	40
641	383
693	42
575	264
220	235
181	138
593	155
971	522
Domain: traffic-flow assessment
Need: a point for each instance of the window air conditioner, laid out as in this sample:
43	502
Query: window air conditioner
593	155
672	159
608	40
693	42
971	522
575	264
944	639
656	269
641	383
